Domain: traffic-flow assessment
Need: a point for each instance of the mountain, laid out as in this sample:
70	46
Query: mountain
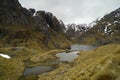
21	27
106	30
74	30
101	63
26	34
30	39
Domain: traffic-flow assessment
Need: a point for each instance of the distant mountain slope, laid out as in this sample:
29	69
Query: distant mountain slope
35	29
73	30
106	30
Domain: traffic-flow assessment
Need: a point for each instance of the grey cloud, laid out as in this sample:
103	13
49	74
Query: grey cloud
78	11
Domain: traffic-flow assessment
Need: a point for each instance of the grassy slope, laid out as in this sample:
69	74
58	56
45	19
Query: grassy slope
29	43
30	37
11	69
102	63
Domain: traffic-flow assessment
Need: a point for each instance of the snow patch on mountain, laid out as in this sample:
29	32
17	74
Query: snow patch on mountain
105	30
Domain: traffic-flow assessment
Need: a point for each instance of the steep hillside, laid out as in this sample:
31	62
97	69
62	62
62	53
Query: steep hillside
20	27
106	30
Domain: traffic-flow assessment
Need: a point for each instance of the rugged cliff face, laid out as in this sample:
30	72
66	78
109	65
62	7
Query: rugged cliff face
11	12
22	27
106	30
48	19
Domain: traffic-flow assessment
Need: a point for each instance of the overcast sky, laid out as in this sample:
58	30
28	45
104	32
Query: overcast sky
74	11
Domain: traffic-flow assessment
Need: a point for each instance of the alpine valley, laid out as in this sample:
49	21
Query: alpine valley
31	42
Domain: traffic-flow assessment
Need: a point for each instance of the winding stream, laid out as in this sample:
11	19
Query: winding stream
68	57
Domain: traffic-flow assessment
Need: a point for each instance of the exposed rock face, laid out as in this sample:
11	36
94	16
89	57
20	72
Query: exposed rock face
106	30
10	3
20	26
73	30
32	11
12	13
45	21
49	20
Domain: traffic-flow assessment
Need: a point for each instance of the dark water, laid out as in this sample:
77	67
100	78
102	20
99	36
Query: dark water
69	57
37	70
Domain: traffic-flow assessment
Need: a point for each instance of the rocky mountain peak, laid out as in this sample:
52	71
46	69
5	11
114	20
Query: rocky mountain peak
18	23
12	13
49	20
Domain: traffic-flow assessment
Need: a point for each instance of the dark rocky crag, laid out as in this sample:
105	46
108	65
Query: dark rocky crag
106	30
13	13
49	20
22	27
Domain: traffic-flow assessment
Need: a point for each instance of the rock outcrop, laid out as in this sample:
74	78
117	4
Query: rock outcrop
12	13
49	20
10	3
19	26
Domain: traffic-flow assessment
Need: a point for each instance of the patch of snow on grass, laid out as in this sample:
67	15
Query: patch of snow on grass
5	56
